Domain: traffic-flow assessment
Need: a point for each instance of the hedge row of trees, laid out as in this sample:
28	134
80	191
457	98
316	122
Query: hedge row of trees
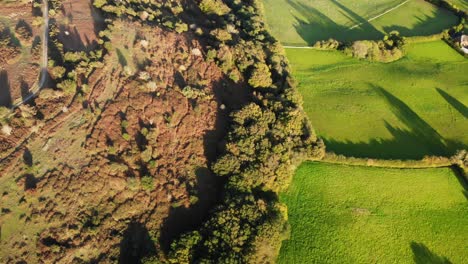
389	49
267	137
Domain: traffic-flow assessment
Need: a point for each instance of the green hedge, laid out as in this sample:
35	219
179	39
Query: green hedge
426	162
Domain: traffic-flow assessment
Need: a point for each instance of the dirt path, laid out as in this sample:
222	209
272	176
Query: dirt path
45	41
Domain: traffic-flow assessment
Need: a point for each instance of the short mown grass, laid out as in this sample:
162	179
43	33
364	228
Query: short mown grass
402	110
349	214
303	22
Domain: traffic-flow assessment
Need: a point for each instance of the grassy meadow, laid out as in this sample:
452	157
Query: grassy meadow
303	22
403	110
345	214
462	4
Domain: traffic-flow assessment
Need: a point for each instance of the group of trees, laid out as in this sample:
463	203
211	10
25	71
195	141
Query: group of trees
390	48
386	50
9	46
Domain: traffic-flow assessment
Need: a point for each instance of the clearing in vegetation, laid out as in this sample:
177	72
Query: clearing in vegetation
302	22
350	214
402	110
79	24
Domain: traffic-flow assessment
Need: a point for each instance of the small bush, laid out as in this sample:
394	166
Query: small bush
147	183
261	76
214	7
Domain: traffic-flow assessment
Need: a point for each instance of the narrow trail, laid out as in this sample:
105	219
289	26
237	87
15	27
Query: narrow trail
45	44
44	60
379	15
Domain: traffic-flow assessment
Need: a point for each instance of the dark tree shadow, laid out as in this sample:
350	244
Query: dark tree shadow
30	182
179	80
136	244
422	255
5	92
459	106
317	26
7	34
461	179
182	219
27	157
122	59
416	141
426	24
72	36
24	26
208	186
418	127
24	87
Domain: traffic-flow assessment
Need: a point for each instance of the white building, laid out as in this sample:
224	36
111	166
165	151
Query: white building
464	43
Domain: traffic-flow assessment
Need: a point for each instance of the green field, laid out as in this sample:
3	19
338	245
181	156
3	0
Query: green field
406	109
300	22
343	214
462	4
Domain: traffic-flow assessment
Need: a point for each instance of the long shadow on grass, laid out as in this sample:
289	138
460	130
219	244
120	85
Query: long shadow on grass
318	26
459	106
422	255
461	179
426	25
415	142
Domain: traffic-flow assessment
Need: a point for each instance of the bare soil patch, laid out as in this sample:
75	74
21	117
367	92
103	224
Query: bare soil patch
79	24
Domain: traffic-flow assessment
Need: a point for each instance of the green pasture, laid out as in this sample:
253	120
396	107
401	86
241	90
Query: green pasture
402	110
345	214
303	22
462	4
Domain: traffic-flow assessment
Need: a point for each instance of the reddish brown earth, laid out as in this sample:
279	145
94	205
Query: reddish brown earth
126	166
19	69
79	24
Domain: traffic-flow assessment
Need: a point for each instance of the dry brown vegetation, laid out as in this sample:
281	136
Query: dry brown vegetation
116	160
134	153
19	62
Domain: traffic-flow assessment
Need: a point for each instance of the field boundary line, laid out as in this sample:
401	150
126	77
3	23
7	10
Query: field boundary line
379	163
380	15
297	47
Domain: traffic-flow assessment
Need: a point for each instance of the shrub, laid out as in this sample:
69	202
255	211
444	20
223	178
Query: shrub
261	76
23	30
331	44
192	93
221	34
214	7
68	86
147	183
